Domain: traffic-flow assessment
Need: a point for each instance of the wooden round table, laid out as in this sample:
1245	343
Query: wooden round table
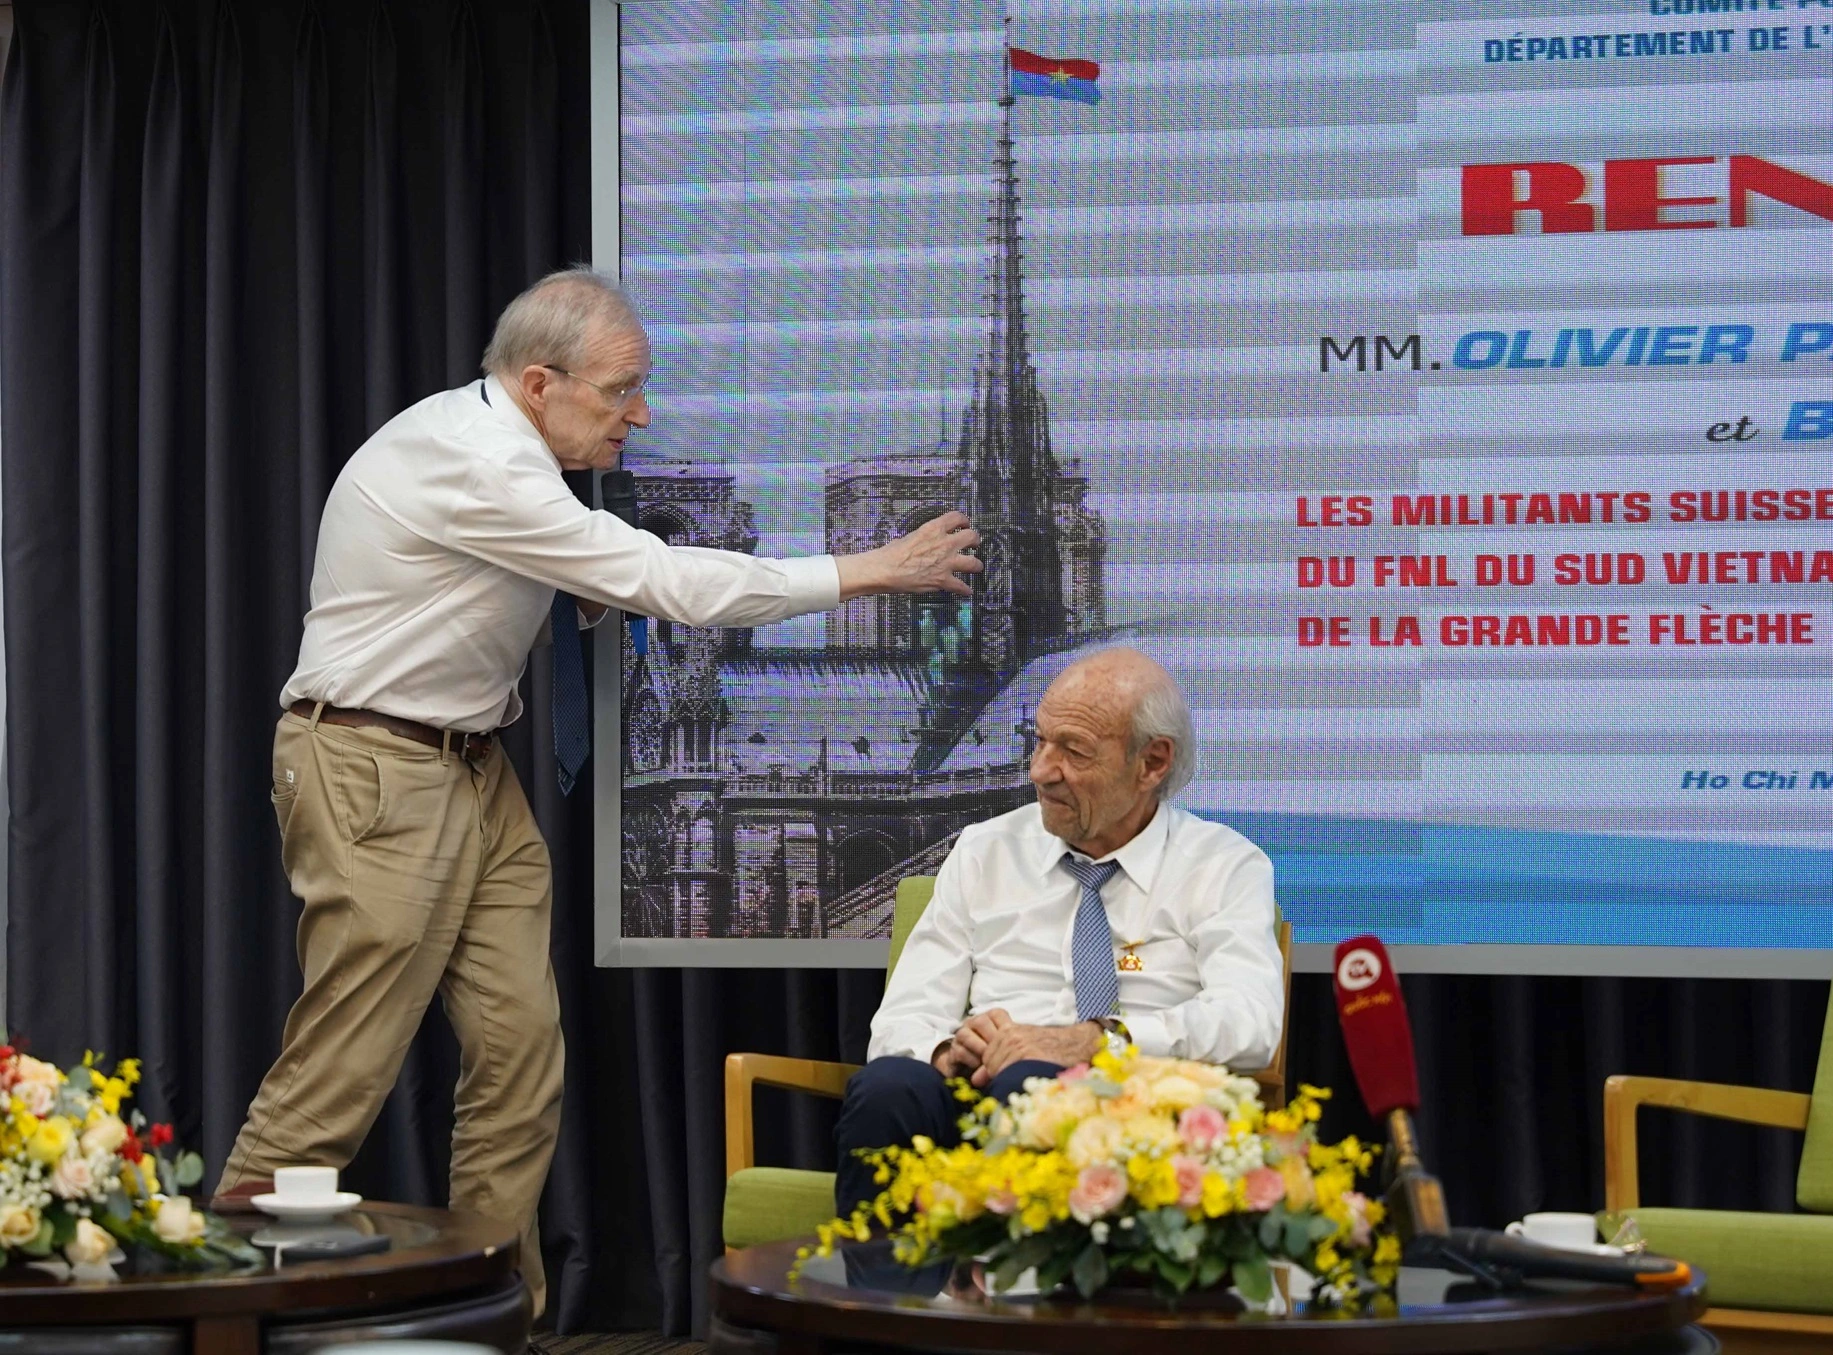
861	1296
444	1275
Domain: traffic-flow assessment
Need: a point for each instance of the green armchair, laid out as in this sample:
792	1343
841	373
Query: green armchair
767	1204
1769	1276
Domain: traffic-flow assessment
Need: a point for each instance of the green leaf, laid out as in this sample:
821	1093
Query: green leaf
40	1245
1211	1269
1254	1279
1020	1257
63	1227
1089	1271
118	1205
1272	1227
189	1169
1297	1236
1176	1274
1054	1271
1321	1228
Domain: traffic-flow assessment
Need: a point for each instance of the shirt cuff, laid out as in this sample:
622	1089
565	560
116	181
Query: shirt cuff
1151	1034
812	583
912	1040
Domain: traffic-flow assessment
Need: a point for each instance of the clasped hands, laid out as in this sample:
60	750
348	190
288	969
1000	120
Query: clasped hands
988	1044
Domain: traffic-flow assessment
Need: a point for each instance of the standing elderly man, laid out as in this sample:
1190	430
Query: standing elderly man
446	544
1099	915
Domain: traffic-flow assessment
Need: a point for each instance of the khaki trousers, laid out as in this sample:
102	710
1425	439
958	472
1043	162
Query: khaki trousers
419	873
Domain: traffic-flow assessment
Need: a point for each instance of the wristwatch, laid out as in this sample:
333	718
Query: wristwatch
1119	1038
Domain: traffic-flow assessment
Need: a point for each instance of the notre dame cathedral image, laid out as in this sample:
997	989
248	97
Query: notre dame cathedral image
783	793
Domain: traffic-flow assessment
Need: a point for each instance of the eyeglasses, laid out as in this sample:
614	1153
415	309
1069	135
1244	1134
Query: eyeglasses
617	396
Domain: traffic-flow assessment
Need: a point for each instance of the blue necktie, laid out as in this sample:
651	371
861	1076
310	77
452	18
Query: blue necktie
572	727
1091	947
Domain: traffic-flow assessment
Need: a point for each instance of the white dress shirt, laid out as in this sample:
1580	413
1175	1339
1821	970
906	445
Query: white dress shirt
442	543
1192	899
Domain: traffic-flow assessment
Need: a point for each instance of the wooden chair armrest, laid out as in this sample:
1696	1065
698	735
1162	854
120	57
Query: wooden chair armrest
1623	1096
744	1071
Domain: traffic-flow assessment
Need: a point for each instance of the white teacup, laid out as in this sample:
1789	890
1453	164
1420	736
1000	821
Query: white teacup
1578	1231
304	1185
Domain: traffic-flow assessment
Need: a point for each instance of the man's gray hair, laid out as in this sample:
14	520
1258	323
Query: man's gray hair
552	322
1162	713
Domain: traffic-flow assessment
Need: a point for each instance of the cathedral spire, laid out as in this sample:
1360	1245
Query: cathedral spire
1005	446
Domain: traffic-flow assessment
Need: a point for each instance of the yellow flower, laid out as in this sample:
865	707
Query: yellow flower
1096	1139
1174	1093
1301	1191
1153	1133
1327	1258
1218	1197
1387	1250
1153	1181
18	1225
50	1141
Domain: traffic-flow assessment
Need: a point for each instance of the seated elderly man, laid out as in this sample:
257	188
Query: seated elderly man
1098	915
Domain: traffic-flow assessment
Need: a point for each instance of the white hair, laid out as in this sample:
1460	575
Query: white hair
552	322
1162	713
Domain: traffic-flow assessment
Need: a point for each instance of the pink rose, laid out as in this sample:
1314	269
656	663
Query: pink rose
1001	1202
1100	1189
1265	1188
1202	1127
1189	1181
1358	1217
1075	1074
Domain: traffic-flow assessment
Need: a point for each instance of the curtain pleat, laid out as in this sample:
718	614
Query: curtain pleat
312	245
234	239
166	253
92	604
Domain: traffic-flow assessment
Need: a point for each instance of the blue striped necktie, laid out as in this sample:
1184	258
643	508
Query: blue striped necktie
572	728
1091	947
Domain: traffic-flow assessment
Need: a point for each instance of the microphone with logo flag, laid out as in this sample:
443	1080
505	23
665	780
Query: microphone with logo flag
1373	1015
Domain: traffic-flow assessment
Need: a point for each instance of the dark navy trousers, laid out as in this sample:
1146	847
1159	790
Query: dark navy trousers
891	1101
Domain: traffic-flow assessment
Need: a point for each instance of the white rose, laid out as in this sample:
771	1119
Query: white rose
106	1135
36	1097
90	1246
71	1178
176	1221
28	1069
18	1225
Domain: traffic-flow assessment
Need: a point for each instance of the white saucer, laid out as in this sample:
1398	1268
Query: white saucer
303	1211
1587	1249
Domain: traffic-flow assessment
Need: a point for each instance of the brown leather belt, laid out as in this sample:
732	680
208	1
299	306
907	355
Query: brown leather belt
471	747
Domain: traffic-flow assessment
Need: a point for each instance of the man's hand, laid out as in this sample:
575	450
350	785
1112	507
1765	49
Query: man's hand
1066	1045
962	1054
931	559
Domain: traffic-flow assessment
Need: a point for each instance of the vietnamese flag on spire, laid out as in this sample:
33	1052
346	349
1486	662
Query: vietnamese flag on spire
1053	79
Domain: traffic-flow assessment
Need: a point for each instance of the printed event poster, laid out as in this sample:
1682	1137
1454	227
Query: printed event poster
1443	393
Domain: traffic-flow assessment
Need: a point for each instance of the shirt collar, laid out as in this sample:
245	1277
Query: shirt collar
504	407
1139	858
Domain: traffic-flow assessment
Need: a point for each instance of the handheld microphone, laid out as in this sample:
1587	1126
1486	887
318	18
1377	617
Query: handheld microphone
617	491
1373	1014
1484	1252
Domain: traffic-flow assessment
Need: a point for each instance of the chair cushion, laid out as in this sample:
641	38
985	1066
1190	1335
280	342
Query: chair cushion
913	895
1775	1261
1814	1185
769	1204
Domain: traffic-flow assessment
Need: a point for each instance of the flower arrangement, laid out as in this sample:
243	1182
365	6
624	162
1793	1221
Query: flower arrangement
1137	1169
79	1176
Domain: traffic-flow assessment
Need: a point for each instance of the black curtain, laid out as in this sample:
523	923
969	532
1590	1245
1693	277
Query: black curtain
234	239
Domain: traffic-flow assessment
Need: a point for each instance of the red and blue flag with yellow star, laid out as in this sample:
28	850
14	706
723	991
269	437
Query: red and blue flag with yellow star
1053	79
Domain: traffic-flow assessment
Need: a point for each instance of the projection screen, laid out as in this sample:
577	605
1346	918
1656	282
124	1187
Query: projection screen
1444	393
